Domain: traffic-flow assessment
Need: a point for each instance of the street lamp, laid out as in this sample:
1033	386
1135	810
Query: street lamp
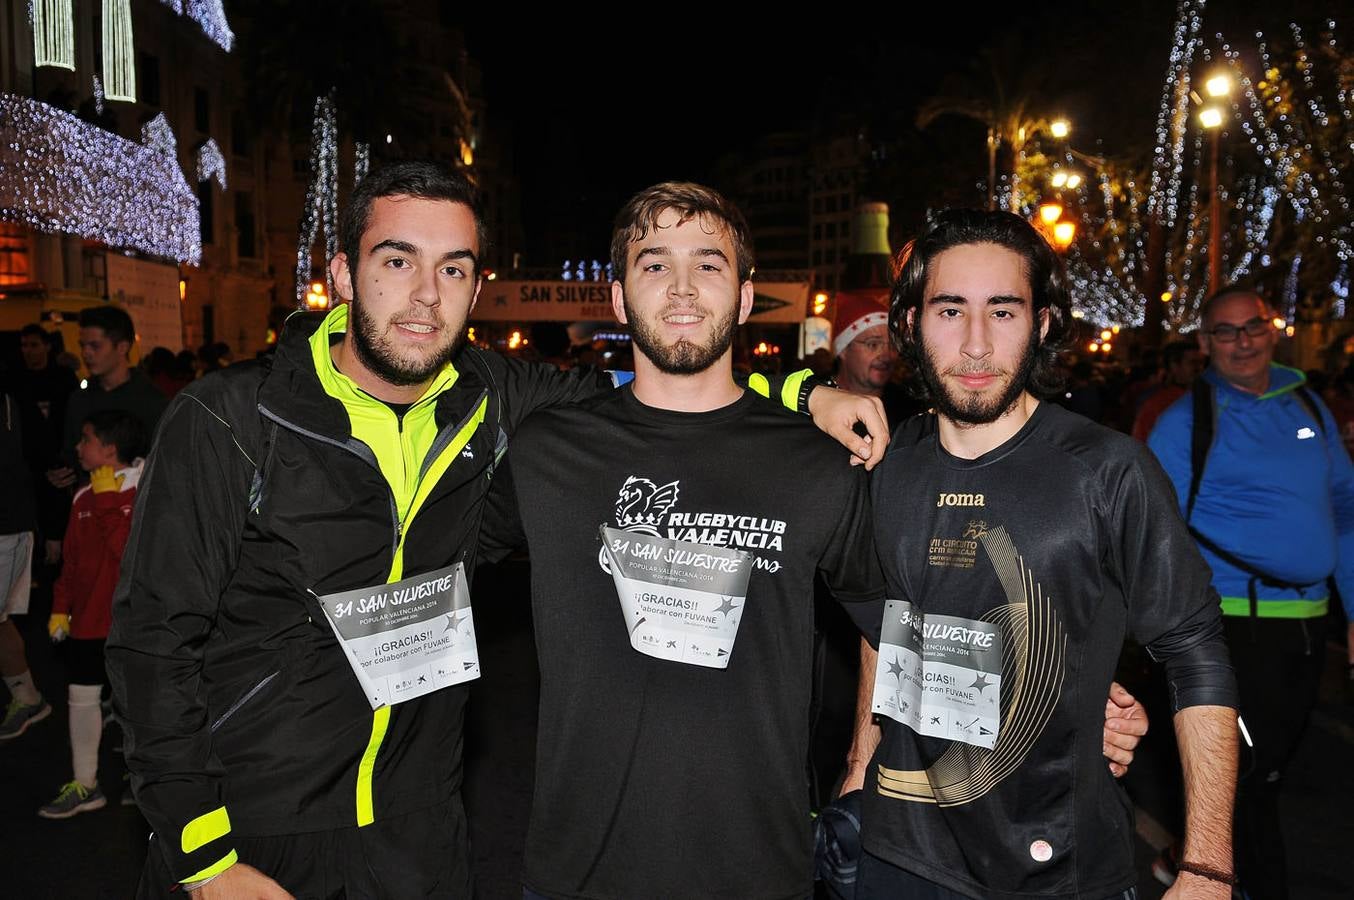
1219	87
1059	128
1064	233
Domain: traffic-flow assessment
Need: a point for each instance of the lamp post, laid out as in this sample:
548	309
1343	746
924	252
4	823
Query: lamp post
1211	118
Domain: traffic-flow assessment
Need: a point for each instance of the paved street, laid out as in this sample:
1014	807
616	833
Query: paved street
99	854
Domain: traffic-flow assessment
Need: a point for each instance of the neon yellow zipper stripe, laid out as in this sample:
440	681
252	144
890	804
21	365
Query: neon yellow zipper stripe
380	720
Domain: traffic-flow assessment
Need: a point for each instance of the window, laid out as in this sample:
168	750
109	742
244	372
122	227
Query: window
244	224
149	76
13	254
241	143
202	110
204	211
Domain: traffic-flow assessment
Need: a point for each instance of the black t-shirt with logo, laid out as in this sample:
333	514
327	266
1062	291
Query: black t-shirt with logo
1067	537
661	778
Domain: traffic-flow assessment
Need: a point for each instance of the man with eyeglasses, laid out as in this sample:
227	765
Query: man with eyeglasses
1270	500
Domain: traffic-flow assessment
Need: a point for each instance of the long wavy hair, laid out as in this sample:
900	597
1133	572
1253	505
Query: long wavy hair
1043	267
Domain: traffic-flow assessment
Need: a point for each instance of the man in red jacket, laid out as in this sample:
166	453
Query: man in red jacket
112	443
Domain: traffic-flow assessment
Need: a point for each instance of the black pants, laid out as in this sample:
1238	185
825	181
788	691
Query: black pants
1278	666
878	879
422	854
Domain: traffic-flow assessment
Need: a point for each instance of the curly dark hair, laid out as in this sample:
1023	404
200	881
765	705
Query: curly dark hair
1043	267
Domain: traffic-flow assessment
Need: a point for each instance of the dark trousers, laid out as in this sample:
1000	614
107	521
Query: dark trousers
1278	666
422	854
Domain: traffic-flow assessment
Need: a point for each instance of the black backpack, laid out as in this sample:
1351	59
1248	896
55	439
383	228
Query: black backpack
1201	442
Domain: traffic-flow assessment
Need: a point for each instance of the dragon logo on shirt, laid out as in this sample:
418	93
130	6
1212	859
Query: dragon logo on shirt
642	504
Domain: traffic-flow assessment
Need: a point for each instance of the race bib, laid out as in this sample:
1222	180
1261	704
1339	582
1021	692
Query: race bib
408	638
939	675
682	601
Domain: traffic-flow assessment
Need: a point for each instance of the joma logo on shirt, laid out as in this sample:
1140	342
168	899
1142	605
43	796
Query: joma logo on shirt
960	500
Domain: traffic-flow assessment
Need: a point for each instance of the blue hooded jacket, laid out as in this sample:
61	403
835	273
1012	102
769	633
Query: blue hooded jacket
1278	492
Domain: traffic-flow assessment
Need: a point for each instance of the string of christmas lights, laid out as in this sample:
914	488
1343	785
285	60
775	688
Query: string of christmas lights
157	135
361	160
321	206
1287	144
62	175
210	163
210	15
53	33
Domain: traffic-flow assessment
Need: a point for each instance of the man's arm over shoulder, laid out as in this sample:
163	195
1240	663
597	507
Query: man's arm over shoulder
186	526
524	387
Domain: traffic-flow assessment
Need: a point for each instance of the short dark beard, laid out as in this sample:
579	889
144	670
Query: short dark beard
975	412
377	356
683	357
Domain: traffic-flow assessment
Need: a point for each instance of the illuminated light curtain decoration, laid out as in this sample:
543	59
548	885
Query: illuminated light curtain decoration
62	175
119	66
210	163
1288	149
53	33
361	161
157	135
210	16
321	207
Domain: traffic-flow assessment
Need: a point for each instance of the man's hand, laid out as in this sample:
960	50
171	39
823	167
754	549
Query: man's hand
854	780
836	413
58	626
1125	724
64	477
241	882
1189	886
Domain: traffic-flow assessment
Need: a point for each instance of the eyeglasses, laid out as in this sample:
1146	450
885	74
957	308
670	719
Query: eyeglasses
1225	334
871	345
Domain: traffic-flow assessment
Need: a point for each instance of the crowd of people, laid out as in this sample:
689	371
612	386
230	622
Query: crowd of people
278	598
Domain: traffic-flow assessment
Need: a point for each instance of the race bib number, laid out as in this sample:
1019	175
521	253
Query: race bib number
408	638
682	601
939	675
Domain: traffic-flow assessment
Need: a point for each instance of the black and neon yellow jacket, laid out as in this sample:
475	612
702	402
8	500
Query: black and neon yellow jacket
272	483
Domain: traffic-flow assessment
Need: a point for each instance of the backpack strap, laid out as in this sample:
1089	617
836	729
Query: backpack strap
1202	433
1308	402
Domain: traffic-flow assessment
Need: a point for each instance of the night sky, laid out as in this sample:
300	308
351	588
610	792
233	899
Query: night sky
596	109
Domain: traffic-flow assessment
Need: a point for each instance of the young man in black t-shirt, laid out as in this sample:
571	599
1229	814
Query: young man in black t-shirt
1021	544
675	527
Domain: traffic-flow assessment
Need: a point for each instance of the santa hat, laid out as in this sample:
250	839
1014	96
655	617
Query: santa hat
857	312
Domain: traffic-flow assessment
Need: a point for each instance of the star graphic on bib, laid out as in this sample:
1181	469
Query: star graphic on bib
981	681
727	606
895	669
454	620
